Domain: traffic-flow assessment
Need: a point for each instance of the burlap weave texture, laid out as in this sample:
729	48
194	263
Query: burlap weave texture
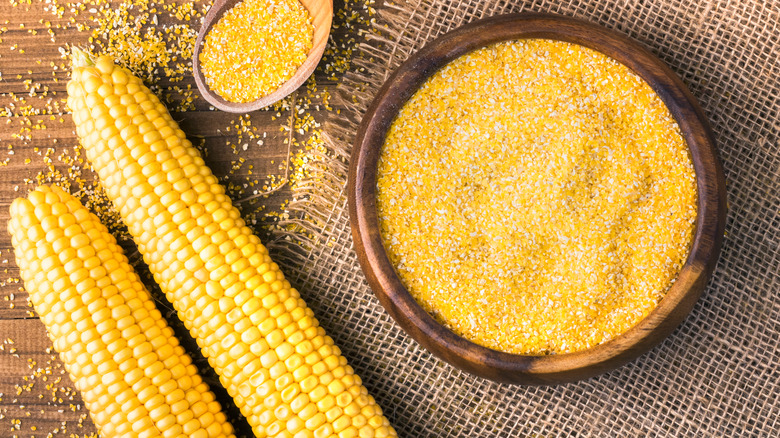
717	375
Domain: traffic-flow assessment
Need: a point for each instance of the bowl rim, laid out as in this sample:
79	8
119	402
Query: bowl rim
557	368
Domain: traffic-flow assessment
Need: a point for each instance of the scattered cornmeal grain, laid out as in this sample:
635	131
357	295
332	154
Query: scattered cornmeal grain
255	47
536	197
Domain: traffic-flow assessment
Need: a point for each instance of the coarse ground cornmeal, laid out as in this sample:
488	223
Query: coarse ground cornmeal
255	47
536	197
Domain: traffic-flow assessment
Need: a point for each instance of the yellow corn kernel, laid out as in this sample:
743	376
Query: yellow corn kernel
324	431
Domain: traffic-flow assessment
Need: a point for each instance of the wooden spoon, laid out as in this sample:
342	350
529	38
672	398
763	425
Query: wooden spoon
322	14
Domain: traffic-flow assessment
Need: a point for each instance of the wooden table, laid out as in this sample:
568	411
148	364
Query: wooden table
36	395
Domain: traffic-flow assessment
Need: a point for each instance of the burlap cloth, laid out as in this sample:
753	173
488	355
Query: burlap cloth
717	375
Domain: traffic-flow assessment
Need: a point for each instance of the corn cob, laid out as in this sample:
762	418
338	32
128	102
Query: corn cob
284	373
135	378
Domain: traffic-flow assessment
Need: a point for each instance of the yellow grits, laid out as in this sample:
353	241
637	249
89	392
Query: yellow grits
536	197
255	47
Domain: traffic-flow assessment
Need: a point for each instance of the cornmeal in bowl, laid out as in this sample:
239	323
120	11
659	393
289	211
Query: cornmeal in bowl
536	197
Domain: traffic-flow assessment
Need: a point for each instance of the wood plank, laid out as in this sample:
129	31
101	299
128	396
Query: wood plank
37	394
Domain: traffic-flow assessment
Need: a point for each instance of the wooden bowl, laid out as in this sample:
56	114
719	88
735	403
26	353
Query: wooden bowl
514	368
321	12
